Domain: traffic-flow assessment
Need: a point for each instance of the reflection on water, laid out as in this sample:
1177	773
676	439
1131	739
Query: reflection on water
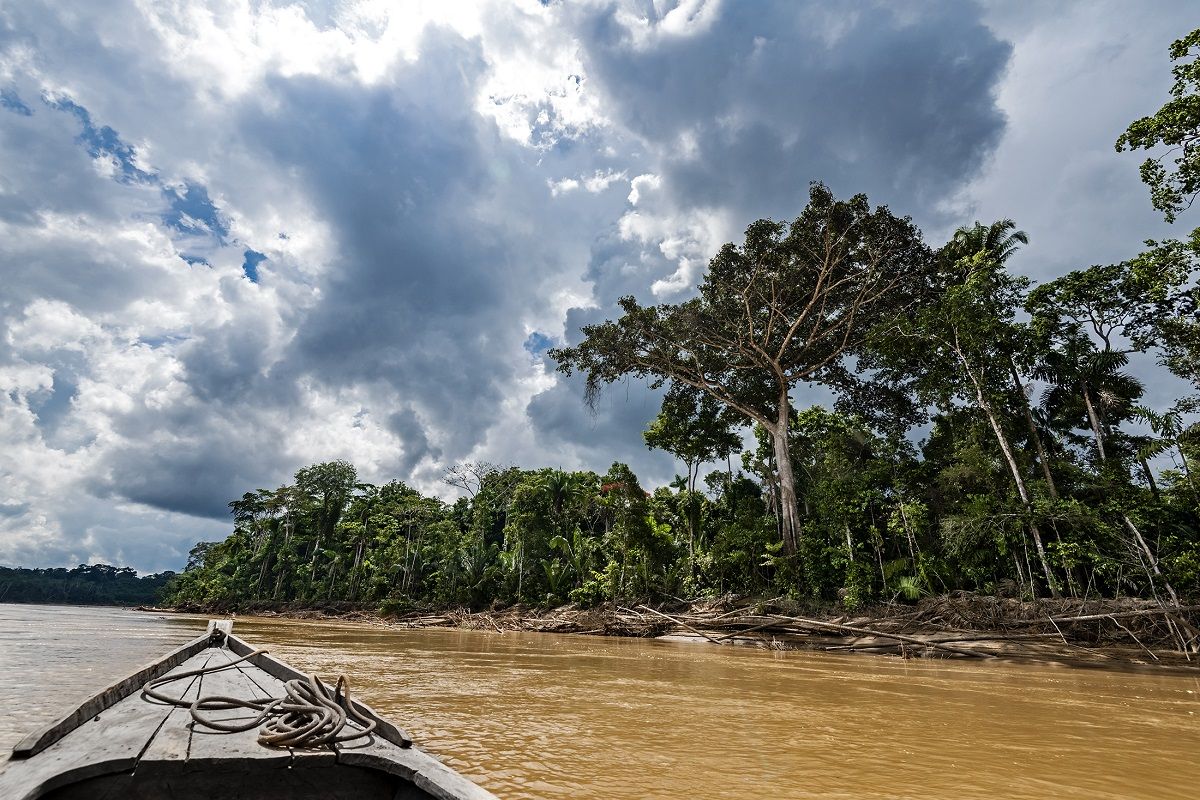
543	716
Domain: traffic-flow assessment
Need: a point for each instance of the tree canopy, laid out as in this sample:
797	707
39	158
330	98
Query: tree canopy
1173	176
791	304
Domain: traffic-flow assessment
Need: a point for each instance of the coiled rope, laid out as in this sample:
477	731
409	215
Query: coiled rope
308	715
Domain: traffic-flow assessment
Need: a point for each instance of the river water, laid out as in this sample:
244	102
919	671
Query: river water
545	716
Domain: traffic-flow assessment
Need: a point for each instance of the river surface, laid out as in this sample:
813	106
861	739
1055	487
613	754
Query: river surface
545	716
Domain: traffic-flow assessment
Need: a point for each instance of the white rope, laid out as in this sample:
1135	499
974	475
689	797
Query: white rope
307	715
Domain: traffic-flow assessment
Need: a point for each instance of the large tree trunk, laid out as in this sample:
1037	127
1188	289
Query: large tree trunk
692	516
1149	475
1015	469
1020	574
262	575
912	545
1033	431
1150	558
1094	421
1187	469
789	506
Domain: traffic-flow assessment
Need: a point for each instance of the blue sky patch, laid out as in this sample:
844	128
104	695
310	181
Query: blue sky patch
57	403
192	212
161	341
537	343
104	142
12	101
250	265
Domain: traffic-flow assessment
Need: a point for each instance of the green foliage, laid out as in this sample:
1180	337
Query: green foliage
695	428
858	590
1175	126
86	585
792	304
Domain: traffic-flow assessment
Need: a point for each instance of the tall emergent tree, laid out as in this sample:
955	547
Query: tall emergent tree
1166	277
1166	272
791	305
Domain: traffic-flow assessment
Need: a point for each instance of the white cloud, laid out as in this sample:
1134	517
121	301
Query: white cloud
640	184
595	183
602	179
649	24
562	186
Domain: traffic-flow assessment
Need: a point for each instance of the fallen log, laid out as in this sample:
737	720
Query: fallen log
682	624
801	626
819	625
1144	612
740	631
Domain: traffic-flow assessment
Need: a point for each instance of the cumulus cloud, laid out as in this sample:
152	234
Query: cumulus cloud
237	237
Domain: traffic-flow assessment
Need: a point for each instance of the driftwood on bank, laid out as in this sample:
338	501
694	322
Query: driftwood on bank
960	625
1142	612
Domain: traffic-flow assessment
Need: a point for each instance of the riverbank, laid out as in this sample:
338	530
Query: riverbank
1089	633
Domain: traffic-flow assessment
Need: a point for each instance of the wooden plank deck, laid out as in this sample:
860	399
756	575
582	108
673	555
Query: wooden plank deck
158	739
210	745
113	741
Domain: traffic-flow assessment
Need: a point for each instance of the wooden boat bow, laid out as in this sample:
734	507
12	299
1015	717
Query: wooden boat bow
127	743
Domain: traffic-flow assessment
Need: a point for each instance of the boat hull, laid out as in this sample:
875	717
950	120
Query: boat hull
234	780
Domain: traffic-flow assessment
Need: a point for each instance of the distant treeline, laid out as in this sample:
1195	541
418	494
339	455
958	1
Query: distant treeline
85	585
1041	469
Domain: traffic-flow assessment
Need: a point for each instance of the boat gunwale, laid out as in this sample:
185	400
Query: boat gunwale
112	694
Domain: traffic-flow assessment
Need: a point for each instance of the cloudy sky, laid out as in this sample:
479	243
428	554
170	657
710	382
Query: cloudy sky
238	237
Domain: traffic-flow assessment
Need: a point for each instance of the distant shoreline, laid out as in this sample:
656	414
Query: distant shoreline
1121	634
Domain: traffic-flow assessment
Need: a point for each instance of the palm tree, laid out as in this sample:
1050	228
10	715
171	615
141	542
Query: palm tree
1087	383
1088	386
366	499
999	240
1170	431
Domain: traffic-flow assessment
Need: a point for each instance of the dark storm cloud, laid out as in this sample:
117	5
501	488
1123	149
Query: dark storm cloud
610	431
411	432
428	276
186	475
775	95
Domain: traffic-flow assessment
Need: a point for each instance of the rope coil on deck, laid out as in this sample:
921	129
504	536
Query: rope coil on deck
308	715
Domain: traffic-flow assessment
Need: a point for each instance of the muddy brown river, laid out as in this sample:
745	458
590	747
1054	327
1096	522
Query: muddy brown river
545	716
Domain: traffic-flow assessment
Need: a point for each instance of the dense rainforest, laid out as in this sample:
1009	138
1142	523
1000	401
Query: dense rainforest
85	585
984	433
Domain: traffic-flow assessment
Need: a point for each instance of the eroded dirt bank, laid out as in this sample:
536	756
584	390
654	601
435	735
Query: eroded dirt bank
1098	633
